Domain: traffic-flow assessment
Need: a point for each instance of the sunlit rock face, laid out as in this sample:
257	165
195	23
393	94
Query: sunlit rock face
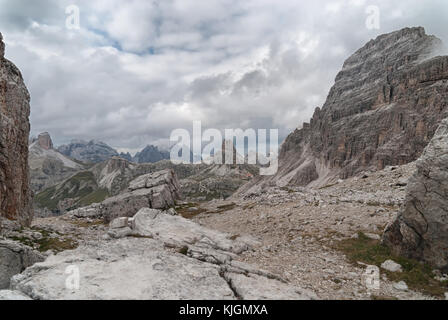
421	229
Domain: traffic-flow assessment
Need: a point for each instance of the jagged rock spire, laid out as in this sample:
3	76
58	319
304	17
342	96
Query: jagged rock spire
45	141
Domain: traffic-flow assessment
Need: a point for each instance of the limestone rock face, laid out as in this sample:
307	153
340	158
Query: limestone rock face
384	108
15	194
183	261
421	229
14	258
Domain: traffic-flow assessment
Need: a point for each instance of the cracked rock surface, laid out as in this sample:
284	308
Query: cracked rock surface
168	257
421	229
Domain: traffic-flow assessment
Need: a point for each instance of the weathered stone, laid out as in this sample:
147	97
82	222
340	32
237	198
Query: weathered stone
401	286
92	211
14	258
421	229
118	233
119	223
391	266
254	288
15	194
158	190
148	269
178	230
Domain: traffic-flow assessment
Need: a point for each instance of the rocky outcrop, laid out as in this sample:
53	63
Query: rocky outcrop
90	152
421	229
14	258
44	141
151	154
158	190
383	109
15	193
183	261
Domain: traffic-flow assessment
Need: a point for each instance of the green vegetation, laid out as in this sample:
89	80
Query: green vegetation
189	210
47	242
45	199
81	187
96	196
183	250
418	276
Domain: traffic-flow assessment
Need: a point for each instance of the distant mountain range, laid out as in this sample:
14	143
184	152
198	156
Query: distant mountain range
97	151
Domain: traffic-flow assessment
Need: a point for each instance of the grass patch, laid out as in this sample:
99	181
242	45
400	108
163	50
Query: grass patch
187	210
328	186
96	196
81	187
56	245
418	276
48	243
183	250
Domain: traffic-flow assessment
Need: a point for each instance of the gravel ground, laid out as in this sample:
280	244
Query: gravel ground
299	227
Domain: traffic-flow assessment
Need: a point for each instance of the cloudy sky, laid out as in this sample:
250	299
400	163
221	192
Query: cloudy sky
137	69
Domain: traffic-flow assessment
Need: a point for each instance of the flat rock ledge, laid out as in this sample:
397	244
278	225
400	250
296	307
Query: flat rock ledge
164	257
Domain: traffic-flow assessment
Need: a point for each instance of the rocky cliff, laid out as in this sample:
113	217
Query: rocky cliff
385	105
15	194
421	229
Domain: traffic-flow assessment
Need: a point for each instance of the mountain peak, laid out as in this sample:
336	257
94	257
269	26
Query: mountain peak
44	141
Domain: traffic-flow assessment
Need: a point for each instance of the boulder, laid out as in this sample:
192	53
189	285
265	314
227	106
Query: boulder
421	228
391	266
158	190
14	258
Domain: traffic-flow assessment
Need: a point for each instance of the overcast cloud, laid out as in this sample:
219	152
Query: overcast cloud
138	69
